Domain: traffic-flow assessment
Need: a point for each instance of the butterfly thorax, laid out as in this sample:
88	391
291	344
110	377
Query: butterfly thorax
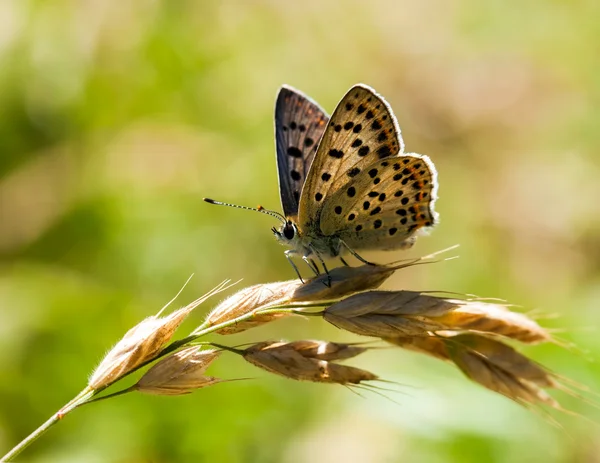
307	244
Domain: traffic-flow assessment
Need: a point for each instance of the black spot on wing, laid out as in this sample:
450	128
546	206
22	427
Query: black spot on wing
353	172
384	151
294	152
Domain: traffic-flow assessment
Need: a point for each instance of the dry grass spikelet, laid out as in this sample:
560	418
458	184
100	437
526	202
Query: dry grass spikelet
293	361
492	318
504	381
325	350
344	281
388	314
490	363
179	373
248	300
382	314
142	343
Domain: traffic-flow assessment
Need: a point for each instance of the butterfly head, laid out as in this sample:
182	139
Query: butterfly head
287	233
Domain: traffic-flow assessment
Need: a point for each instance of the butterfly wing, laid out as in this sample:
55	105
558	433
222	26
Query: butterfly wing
299	125
361	131
385	204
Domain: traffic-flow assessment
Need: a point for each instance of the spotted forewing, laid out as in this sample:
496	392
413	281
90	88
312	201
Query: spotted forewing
361	187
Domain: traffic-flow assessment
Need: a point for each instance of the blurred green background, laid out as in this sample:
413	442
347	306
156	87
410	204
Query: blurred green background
116	118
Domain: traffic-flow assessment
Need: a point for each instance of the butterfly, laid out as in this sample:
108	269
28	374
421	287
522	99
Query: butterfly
345	183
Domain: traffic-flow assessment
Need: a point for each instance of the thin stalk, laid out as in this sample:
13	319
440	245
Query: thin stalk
81	398
113	394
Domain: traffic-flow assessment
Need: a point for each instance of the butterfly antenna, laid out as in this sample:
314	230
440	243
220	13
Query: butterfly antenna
255	209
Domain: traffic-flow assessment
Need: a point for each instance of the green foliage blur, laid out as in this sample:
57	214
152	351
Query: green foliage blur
116	118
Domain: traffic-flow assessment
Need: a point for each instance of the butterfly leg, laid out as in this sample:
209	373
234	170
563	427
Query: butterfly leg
288	255
355	254
313	266
328	283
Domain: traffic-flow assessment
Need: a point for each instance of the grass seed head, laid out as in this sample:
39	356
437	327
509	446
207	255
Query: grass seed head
503	381
505	357
140	344
179	373
390	314
250	299
491	363
379	314
285	359
324	350
344	282
494	319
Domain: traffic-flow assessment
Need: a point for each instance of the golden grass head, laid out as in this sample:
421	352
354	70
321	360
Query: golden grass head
141	344
495	319
502	378
179	373
389	314
294	361
325	350
379	314
250	299
344	281
489	362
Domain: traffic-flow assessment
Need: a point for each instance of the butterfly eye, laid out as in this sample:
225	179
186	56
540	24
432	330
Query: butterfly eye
288	231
